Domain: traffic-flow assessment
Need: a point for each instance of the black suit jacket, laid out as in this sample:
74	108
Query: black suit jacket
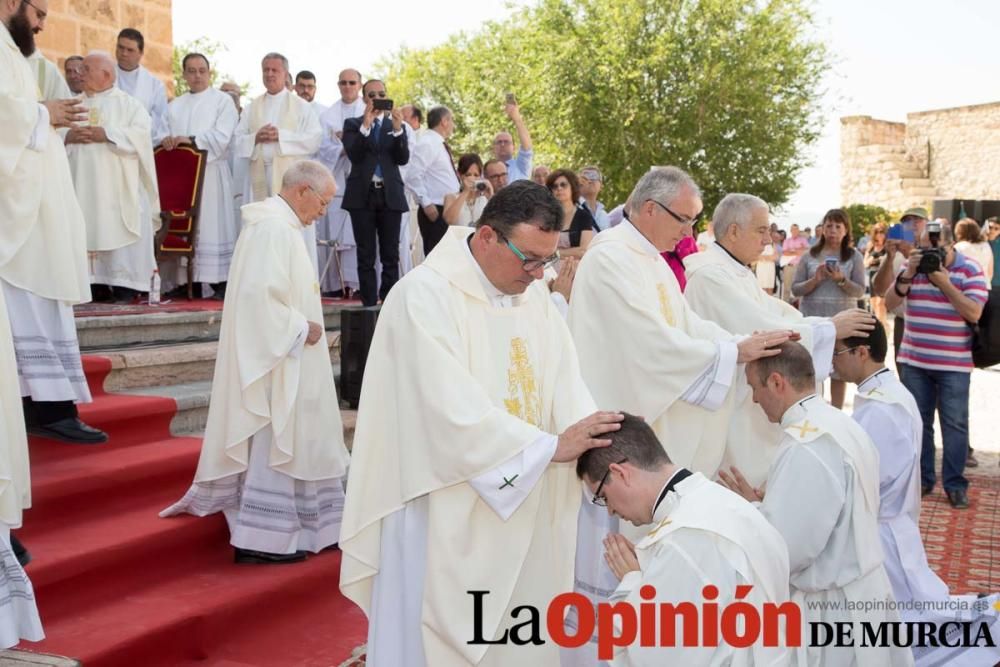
391	152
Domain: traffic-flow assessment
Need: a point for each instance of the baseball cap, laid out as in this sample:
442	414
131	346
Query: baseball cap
916	212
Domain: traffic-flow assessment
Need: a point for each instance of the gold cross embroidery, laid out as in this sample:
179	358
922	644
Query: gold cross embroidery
522	391
660	525
804	429
665	309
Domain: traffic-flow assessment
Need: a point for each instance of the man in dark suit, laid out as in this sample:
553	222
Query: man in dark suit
376	145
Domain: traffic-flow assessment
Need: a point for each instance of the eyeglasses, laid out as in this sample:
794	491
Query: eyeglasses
374	94
598	499
41	15
347	83
846	349
322	201
528	264
684	221
559	185
502	174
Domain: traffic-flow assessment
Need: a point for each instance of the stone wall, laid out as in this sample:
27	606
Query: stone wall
943	154
75	27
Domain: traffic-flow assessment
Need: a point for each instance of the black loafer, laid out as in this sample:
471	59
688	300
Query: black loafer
958	498
925	489
70	430
249	556
21	553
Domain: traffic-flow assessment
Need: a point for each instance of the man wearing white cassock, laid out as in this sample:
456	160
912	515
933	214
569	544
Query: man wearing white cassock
206	118
50	80
276	130
822	495
702	535
336	224
470	485
273	458
43	253
888	413
111	159
133	78
722	288
643	350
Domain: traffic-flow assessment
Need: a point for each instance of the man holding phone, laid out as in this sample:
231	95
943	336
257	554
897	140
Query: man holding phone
376	145
519	167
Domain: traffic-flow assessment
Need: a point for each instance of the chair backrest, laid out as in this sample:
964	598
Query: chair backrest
180	174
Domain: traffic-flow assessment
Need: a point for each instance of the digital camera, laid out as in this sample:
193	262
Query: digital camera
932	259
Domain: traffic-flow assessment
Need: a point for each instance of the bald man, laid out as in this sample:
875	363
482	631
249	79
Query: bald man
111	159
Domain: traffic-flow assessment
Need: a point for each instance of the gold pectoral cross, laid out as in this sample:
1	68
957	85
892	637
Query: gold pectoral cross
804	429
522	390
665	309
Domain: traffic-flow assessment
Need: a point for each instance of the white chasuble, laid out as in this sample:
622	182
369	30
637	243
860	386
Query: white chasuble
704	534
486	384
42	238
15	479
822	496
722	290
210	117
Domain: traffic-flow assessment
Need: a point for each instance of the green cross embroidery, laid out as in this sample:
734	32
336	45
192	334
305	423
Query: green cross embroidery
508	482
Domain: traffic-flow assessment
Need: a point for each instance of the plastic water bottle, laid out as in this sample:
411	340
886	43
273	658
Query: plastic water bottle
154	288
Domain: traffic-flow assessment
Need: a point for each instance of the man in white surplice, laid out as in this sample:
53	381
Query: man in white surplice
206	118
43	250
470	485
722	288
822	495
273	458
305	87
137	81
276	130
335	226
888	413
50	80
702	535
643	350
111	159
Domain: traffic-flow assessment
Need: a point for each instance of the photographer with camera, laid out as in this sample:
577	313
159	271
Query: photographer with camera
433	176
464	207
943	293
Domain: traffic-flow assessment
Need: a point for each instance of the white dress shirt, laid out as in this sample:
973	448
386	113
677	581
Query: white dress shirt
432	175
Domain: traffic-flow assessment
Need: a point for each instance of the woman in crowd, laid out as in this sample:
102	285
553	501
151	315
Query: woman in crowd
579	225
765	269
830	278
464	207
874	255
970	242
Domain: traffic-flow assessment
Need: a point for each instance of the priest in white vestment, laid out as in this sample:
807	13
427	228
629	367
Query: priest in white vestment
50	80
206	118
822	495
335	227
43	253
470	484
702	535
111	159
722	288
133	78
888	413
273	458
276	130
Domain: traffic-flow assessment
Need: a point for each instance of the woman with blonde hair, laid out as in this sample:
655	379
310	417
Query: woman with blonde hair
875	254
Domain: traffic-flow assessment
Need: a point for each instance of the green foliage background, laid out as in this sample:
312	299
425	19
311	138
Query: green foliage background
726	89
207	47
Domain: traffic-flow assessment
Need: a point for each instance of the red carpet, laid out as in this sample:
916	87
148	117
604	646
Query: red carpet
118	586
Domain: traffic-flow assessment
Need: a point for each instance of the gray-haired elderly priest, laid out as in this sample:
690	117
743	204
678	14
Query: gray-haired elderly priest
273	458
721	288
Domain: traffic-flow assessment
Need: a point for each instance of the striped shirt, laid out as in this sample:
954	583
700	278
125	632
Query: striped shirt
936	336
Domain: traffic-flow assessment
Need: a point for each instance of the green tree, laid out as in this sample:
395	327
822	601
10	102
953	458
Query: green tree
207	47
863	216
727	89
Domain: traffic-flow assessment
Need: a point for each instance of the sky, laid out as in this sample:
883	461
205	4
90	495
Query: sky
890	57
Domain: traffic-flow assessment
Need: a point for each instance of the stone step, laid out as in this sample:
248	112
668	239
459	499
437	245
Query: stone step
916	183
920	193
19	658
174	363
97	333
873	149
911	172
192	406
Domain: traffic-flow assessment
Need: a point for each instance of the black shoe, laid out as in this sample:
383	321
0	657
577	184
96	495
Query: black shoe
249	556
333	547
970	461
70	430
958	498
925	489
20	552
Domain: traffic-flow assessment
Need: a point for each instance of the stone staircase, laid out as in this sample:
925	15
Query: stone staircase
894	174
173	355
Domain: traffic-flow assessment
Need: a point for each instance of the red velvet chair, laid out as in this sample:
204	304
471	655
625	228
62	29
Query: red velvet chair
180	174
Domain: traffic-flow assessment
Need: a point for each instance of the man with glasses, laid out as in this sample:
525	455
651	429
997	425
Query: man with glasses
591	183
377	146
468	486
335	226
495	171
702	535
519	166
